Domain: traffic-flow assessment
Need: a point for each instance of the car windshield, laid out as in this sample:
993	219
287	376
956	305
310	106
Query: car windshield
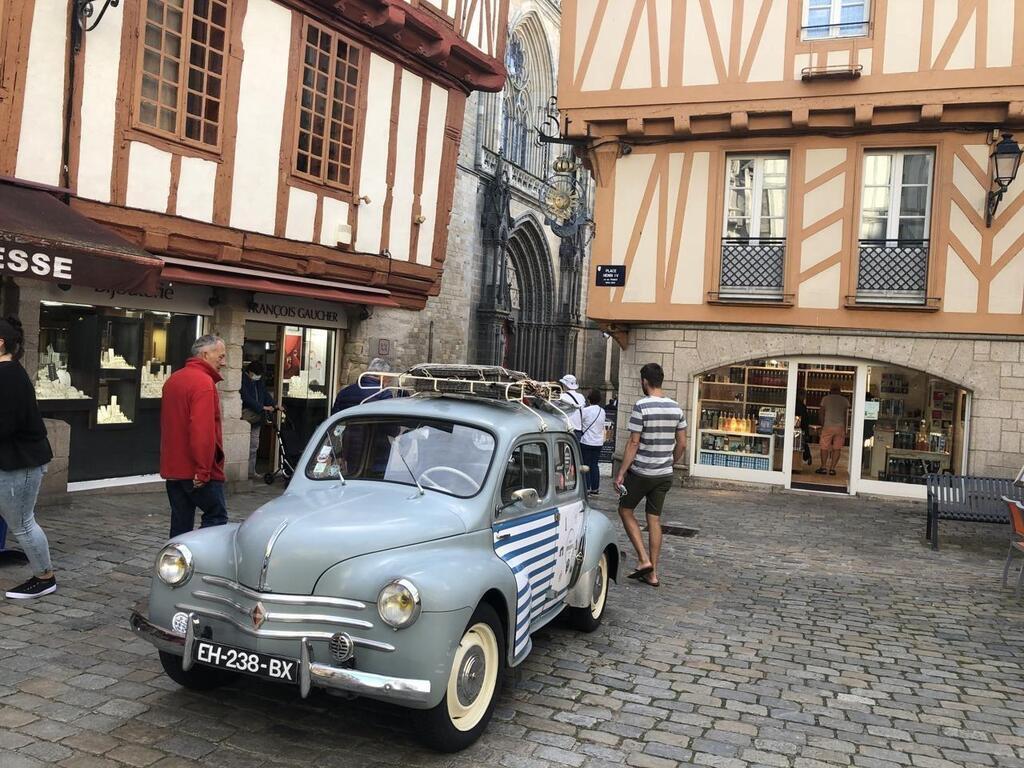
439	455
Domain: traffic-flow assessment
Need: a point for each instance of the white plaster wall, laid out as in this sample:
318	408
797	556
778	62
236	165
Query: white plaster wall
436	117
266	34
688	281
965	181
961	293
821	245
335	214
824	200
821	161
942	24
405	165
964	53
585	10
374	163
99	102
631	175
641	275
964	231
638	66
602	63
902	50
301	214
820	291
196	184
149	177
698	66
42	116
1006	293
770	59
1001	22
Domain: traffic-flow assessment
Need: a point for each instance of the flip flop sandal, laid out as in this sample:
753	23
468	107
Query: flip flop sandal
821	471
650	583
639	573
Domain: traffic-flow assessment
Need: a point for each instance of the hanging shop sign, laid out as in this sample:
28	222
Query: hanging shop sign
294	310
176	298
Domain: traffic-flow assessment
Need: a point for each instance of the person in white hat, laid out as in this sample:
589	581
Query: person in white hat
573	403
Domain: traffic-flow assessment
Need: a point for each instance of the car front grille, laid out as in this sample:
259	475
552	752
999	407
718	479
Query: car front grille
274	616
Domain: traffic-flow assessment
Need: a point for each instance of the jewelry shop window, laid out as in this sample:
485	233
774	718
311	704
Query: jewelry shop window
743	415
182	68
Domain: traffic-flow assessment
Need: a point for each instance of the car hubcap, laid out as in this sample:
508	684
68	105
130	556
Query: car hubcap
473	677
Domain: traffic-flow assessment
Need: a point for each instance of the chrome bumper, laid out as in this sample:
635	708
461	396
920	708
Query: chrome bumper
311	673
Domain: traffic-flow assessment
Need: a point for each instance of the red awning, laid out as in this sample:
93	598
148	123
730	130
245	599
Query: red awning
250	280
43	239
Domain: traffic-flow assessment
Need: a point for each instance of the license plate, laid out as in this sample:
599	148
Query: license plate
249	662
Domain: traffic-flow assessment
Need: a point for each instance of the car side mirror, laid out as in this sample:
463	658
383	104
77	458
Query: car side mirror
527	497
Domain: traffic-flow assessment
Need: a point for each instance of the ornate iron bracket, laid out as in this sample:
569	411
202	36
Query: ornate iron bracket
550	129
82	11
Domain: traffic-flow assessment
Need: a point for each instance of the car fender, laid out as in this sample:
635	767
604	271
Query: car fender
213	554
450	575
600	535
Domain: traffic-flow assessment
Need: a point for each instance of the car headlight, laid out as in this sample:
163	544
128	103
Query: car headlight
174	564
399	603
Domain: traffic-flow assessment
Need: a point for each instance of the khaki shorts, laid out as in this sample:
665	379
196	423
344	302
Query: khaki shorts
640	487
832	438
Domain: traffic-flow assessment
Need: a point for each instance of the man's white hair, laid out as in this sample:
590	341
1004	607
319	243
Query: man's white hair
379	365
204	342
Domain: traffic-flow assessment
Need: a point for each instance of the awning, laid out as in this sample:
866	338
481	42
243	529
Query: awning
257	281
44	239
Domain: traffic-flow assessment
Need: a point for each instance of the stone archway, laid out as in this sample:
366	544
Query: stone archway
532	291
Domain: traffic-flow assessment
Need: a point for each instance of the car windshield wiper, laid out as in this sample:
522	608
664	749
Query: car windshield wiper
396	444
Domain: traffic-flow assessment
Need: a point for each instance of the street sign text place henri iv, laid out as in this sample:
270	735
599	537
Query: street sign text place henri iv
611	276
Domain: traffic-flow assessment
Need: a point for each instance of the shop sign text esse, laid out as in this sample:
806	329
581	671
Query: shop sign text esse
40	264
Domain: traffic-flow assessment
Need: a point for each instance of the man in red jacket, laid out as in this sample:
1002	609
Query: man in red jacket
191	439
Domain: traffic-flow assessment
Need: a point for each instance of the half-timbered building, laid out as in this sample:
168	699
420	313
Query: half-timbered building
269	170
804	200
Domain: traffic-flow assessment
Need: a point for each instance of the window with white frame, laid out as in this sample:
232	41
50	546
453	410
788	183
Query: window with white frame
896	199
755	196
835	18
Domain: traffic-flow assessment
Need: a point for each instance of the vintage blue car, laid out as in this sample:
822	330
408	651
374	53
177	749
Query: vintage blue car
421	542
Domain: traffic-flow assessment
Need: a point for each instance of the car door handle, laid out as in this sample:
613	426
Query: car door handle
501	536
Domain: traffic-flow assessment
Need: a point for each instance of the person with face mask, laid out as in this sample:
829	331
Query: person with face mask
24	454
257	405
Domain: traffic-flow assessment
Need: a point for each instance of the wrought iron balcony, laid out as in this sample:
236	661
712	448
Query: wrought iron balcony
753	268
893	272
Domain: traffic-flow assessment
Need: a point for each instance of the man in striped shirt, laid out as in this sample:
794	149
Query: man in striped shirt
657	441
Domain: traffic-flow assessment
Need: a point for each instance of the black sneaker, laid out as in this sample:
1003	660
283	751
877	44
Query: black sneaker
33	588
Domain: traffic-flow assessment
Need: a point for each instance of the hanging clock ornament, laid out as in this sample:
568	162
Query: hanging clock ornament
561	195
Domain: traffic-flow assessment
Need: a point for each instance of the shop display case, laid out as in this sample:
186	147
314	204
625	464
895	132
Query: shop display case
743	450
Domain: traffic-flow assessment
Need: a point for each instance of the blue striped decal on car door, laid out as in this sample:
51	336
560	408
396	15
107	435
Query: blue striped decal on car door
529	545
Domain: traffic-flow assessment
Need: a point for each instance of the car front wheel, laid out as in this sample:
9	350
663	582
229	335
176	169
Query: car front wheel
473	685
588	618
199	678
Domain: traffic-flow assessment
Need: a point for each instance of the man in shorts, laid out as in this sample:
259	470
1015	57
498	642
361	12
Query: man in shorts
834	408
657	441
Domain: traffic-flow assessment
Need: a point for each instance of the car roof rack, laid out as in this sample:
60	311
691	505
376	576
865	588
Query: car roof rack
486	382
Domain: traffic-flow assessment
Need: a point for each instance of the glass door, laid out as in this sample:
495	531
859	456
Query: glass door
824	426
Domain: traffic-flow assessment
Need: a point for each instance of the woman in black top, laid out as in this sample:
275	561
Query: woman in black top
24	454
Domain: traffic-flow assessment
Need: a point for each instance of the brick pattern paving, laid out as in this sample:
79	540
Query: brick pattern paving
794	631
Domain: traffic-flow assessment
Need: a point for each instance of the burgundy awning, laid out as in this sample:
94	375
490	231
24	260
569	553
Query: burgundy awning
288	285
44	239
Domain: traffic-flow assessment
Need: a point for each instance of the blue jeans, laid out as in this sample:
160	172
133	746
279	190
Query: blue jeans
184	498
19	489
591	456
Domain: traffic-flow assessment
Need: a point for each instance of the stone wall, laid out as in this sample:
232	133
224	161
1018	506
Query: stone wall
228	322
992	369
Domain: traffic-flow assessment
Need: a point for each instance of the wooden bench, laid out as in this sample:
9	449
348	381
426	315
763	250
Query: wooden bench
973	499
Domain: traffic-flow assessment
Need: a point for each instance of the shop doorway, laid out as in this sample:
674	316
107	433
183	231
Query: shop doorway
300	366
823	425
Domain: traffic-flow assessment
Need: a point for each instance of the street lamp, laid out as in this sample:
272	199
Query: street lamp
1005	163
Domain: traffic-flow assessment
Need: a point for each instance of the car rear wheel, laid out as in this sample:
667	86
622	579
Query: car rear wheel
473	685
199	678
588	618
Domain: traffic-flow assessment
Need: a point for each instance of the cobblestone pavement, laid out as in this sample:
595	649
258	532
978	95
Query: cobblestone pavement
793	630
